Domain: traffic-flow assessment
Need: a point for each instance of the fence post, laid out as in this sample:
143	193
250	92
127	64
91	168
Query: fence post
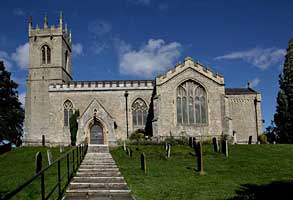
73	169
76	156
38	169
68	170
59	181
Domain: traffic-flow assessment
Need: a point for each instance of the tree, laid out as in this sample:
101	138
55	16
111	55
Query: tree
73	126
11	112
284	111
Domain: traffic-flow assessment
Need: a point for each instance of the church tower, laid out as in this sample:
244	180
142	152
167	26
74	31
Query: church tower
50	52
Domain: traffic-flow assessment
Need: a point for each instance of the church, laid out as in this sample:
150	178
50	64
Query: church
188	100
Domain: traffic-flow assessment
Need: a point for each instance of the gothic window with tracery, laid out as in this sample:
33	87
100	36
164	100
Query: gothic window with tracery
191	104
68	111
46	54
139	113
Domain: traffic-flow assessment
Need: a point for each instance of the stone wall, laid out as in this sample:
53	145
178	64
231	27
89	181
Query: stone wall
245	112
166	118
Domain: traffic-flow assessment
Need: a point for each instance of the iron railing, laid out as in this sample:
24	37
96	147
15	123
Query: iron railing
78	154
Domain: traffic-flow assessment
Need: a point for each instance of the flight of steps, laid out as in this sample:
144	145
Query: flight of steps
98	178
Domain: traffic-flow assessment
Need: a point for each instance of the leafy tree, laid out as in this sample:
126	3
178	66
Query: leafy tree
73	126
284	112
11	112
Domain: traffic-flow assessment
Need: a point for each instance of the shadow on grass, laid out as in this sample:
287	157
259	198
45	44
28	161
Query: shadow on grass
273	190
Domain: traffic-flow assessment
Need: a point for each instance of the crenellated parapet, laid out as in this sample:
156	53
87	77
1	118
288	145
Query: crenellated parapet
189	63
103	85
53	30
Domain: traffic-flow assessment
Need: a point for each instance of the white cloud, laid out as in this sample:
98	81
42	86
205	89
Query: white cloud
259	57
6	59
140	2
21	56
21	98
155	56
77	49
18	12
254	82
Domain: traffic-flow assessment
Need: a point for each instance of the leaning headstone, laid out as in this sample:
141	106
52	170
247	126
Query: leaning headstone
200	159
43	140
61	148
250	140
234	137
124	146
166	146
216	144
130	152
49	155
143	163
38	162
127	153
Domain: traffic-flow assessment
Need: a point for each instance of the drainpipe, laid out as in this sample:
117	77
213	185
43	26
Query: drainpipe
126	111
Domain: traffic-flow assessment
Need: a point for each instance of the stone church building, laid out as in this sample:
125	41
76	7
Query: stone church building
189	100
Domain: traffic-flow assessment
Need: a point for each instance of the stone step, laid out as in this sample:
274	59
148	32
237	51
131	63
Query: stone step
113	196
98	149
98	179
98	174
98	162
97	192
99	170
101	166
120	186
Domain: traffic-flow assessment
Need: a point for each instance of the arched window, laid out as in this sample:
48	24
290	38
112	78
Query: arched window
68	111
46	54
191	103
139	113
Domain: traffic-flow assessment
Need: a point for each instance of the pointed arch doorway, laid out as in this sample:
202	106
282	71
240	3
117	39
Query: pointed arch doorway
96	133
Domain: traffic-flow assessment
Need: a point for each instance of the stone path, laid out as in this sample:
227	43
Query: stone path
98	178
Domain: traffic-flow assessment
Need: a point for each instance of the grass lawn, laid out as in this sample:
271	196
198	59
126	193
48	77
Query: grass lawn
250	172
18	166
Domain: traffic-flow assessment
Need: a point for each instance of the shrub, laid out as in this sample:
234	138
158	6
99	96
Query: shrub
173	141
138	135
263	139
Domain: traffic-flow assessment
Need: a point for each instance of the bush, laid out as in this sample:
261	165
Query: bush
138	135
263	139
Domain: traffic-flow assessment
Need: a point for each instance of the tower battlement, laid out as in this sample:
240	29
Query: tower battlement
52	30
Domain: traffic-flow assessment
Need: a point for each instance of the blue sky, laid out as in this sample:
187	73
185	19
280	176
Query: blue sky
138	39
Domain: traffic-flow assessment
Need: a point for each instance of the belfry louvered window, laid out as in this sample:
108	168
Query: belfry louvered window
139	113
46	54
68	111
191	104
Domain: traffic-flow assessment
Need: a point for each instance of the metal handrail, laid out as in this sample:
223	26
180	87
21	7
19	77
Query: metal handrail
80	154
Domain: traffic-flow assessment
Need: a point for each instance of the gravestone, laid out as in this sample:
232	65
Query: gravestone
127	153
226	148
61	148
143	163
250	140
194	142
38	162
49	156
130	152
234	137
216	144
43	140
274	142
168	151
200	159
124	146
190	142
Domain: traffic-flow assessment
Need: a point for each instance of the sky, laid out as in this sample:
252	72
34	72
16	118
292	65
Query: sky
244	40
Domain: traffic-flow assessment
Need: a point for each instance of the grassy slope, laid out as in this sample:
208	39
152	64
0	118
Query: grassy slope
176	178
18	166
